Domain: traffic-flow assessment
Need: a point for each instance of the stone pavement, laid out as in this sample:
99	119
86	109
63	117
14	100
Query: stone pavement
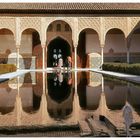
128	77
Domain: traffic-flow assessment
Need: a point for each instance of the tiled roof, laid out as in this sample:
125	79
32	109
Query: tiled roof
47	7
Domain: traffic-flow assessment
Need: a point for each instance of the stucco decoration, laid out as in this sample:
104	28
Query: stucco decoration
89	22
95	79
116	22
13	84
30	22
8	23
12	59
95	60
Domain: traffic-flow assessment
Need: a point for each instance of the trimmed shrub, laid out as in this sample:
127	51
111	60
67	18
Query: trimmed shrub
5	68
122	68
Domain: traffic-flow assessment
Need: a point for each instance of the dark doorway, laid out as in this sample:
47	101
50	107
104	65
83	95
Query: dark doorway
57	48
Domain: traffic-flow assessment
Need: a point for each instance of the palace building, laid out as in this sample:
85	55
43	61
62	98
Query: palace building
36	35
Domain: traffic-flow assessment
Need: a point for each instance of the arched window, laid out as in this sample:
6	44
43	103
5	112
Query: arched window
58	27
67	28
50	28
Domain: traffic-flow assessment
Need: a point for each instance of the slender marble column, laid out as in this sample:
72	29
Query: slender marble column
75	57
17	48
43	57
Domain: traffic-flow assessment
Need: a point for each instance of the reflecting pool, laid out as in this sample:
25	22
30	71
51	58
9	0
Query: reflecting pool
66	98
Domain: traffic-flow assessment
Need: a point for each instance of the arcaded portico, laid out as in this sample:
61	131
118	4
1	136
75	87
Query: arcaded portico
91	33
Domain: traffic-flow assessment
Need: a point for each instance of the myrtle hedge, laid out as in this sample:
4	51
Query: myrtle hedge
122	68
5	68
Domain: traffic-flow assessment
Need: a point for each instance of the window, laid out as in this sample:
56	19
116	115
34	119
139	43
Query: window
67	28
58	27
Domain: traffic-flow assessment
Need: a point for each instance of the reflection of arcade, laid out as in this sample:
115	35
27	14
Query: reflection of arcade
89	96
36	94
7	98
60	93
115	100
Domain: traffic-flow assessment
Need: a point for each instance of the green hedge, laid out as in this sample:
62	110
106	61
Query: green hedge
122	67
5	68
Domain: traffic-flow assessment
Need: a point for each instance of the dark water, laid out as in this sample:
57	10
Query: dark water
66	98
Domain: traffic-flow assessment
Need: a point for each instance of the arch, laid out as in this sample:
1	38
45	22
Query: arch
115	48
32	28
63	46
112	28
58	36
60	19
61	31
81	30
88	43
109	29
7	45
31	49
133	44
7	29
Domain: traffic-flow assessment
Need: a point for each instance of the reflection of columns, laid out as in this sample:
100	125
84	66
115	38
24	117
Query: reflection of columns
102	54
75	79
75	57
102	84
43	57
102	105
128	55
18	104
128	51
76	107
43	105
17	47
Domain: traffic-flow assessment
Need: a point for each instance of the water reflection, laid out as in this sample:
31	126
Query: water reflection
31	94
42	98
121	93
59	86
89	90
115	92
60	95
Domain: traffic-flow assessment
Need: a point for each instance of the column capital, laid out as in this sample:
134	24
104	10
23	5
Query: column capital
102	45
17	46
43	45
75	45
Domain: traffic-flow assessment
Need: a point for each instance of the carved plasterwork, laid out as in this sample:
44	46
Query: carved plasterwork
135	23
68	20
30	22
116	22
8	23
89	22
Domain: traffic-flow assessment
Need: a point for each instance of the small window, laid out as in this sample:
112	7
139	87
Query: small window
58	27
50	28
67	28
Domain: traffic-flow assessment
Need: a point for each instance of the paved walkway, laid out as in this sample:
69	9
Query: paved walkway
128	77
